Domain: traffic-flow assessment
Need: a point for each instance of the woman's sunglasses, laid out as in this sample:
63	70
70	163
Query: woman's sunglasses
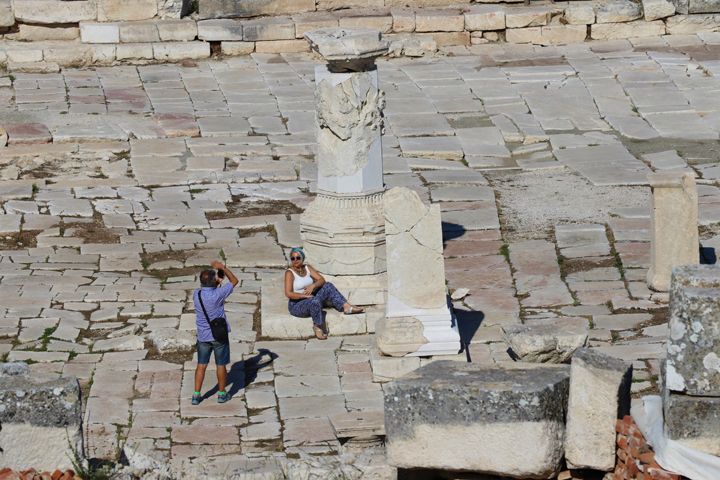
295	258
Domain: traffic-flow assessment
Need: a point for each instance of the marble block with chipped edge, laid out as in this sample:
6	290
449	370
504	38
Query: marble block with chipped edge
35	413
693	421
340	44
599	395
465	417
544	343
418	320
674	226
693	364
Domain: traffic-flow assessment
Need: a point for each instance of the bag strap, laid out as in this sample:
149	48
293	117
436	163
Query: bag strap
207	318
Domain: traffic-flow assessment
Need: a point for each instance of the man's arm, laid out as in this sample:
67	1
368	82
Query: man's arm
228	273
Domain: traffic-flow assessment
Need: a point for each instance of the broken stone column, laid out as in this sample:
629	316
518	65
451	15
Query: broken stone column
691	395
40	420
465	417
599	395
417	319
343	228
674	228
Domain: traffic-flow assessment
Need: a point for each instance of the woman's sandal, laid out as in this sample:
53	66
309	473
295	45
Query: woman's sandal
354	310
319	334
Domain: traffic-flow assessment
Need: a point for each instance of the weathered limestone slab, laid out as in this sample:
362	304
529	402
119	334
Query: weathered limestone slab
693	361
674	228
599	395
252	8
690	24
657	9
544	343
44	414
417	320
693	421
639	28
112	10
54	11
617	11
465	417
7	17
343	228
220	30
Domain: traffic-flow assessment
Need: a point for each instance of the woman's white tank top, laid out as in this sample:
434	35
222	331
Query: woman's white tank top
301	283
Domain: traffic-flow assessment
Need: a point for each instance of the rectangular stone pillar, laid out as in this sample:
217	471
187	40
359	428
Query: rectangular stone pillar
674	228
417	320
599	395
691	387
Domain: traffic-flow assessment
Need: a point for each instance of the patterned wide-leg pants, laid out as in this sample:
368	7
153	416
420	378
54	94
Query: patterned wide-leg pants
327	295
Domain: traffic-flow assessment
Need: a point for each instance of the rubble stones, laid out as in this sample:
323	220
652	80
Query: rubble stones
544	343
441	415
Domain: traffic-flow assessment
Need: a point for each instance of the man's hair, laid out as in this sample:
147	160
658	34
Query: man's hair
207	278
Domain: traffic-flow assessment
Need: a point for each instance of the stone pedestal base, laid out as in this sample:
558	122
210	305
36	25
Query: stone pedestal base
345	235
417	332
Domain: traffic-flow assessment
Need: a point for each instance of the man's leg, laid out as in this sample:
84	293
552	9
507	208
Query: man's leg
221	377
199	376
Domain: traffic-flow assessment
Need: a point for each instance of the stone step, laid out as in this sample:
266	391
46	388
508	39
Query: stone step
277	323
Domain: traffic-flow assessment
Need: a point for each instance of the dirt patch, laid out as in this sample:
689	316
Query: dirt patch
19	241
149	259
240	207
532	203
92	232
574	265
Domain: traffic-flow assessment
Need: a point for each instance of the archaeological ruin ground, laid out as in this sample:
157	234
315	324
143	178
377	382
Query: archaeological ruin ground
119	184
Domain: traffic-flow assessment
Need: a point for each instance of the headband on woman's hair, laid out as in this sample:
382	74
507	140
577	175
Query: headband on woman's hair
298	250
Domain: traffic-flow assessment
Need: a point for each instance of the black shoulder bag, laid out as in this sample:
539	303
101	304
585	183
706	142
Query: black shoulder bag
218	326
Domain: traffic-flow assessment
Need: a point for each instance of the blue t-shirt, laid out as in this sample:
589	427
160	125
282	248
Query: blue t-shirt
214	301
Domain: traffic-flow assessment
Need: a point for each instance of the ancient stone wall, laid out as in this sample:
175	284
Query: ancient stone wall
45	34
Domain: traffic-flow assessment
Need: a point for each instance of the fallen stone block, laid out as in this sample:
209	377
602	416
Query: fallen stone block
466	417
693	421
41	422
544	343
167	340
599	395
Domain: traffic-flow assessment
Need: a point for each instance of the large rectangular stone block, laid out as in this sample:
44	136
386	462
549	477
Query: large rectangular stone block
690	24
466	417
599	395
485	17
280	28
177	30
92	32
693	421
111	10
693	360
704	6
7	17
54	11
39	422
252	8
220	30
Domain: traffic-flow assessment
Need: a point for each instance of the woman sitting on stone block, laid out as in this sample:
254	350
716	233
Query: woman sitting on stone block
308	293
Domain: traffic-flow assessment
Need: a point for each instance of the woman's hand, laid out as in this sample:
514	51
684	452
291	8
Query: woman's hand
308	291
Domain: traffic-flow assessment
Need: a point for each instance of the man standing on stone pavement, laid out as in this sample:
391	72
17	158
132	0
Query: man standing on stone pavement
209	301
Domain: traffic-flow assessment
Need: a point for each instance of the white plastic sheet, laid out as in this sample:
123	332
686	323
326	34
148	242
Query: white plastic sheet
669	454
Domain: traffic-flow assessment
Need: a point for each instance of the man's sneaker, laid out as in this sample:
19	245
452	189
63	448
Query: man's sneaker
223	397
196	399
